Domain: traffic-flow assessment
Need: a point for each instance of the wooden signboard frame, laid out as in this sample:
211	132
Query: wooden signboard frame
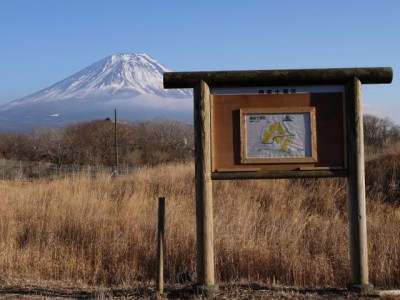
329	144
211	108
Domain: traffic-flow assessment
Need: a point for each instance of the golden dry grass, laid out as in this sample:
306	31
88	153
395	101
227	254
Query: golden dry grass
103	232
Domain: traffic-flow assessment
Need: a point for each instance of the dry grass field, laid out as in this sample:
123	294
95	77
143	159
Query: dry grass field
84	232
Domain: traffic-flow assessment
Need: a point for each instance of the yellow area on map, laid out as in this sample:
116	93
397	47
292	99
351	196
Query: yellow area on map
277	133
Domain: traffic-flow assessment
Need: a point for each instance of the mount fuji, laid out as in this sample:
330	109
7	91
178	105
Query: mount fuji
130	83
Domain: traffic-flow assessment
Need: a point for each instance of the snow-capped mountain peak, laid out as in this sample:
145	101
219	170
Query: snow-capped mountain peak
129	83
114	76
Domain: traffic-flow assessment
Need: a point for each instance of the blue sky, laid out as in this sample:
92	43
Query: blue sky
45	41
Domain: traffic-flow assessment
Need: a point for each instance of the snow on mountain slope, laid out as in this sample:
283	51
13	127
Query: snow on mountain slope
130	83
116	75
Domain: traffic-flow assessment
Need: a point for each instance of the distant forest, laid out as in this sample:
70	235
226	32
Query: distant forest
138	143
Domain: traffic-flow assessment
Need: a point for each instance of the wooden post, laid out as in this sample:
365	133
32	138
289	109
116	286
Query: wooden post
356	190
204	200
160	245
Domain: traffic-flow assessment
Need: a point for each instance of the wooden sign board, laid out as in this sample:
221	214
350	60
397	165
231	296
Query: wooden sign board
278	129
284	131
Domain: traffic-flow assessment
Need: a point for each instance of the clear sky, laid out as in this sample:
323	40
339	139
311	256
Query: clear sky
45	41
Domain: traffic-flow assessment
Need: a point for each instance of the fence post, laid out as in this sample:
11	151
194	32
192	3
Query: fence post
160	245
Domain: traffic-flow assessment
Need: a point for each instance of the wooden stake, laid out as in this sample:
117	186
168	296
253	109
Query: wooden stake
160	245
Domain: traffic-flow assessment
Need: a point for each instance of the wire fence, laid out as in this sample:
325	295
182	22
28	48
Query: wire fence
11	170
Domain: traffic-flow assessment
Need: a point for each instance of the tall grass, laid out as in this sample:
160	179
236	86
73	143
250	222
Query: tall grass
101	231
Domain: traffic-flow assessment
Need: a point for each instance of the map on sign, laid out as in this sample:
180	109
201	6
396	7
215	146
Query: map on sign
278	135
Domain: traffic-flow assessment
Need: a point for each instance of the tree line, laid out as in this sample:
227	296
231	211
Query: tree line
138	143
380	132
93	143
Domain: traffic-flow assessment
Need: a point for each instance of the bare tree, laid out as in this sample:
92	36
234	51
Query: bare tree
163	141
51	145
18	146
380	131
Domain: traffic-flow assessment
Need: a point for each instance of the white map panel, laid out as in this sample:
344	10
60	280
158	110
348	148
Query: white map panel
278	135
